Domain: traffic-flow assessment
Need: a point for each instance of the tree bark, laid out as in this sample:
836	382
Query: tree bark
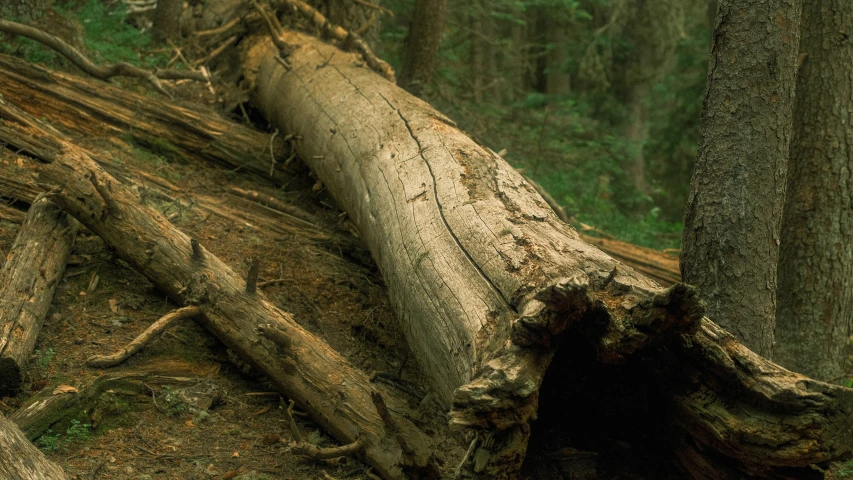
303	367
422	45
816	257
167	21
734	212
179	133
486	279
20	459
28	279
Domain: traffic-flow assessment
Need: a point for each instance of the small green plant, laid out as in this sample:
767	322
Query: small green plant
845	470
52	442
77	431
49	442
43	358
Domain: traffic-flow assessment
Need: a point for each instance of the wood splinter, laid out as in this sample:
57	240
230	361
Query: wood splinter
104	191
158	327
198	253
252	276
301	447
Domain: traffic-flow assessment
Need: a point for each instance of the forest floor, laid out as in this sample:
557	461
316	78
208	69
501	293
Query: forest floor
226	423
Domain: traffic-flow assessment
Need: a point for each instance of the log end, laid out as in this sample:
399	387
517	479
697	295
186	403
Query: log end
11	377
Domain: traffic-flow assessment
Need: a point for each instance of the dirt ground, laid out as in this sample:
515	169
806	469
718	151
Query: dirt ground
226	421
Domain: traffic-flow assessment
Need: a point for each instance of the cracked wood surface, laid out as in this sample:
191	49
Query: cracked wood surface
28	279
485	278
322	382
20	459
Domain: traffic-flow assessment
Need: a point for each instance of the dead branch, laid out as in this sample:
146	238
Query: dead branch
152	332
99	72
350	39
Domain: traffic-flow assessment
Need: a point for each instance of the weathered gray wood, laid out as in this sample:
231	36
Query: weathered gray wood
20	459
28	279
486	278
303	367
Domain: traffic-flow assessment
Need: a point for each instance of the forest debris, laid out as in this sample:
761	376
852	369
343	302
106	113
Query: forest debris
156	328
99	72
33	268
311	371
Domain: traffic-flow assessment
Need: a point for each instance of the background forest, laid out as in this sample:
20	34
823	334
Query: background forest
597	100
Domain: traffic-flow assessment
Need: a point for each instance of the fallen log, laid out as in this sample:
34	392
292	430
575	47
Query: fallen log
10	214
180	133
20	459
301	366
90	401
34	266
487	281
654	264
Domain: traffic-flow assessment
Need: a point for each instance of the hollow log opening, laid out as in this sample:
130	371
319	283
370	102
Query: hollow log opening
599	420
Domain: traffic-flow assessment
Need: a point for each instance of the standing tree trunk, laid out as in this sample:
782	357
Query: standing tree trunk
557	79
422	45
734	211
816	257
488	282
652	30
167	20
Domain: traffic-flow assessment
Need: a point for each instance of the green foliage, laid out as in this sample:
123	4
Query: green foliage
108	37
43	358
575	143
111	39
76	432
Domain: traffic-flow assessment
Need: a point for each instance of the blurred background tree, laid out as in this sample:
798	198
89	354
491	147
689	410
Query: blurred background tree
597	100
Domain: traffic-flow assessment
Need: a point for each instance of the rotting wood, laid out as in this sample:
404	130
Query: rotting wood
486	278
100	110
65	402
652	263
34	266
20	459
144	338
11	214
308	371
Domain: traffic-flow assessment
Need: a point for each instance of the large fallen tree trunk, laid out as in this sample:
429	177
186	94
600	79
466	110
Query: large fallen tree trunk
33	268
339	397
486	279
20	459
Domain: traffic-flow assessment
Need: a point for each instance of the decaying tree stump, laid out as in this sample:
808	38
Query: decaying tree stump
33	268
303	367
486	279
20	459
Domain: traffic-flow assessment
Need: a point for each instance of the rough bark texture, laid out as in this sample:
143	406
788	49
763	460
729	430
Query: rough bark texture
303	367
734	212
816	257
20	459
33	268
50	407
486	278
179	133
422	45
167	20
